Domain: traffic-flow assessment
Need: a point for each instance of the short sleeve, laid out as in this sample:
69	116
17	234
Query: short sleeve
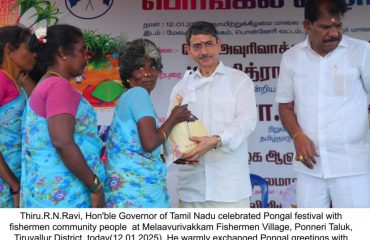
365	70
55	96
2	91
62	98
8	89
284	92
140	104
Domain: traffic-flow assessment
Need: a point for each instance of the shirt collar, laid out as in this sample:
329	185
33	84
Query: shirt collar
220	69
197	81
343	43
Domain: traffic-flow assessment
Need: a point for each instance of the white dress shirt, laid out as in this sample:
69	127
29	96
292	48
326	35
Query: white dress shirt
330	101
225	103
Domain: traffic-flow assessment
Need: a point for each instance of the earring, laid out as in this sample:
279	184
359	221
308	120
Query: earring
127	80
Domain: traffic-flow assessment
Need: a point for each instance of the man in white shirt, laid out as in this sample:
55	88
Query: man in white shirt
322	95
223	99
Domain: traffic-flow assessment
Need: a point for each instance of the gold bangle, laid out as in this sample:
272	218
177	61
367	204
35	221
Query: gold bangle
96	184
164	134
296	135
100	186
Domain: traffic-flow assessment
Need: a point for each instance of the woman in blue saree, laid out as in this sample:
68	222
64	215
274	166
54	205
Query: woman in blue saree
15	58
136	174
61	165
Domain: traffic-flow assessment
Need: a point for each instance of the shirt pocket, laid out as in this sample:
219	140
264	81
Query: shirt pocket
344	81
341	85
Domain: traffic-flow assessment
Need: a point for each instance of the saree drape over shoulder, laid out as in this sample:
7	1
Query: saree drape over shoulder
46	181
11	142
135	178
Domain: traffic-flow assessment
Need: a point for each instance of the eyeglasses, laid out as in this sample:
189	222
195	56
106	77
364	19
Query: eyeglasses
198	46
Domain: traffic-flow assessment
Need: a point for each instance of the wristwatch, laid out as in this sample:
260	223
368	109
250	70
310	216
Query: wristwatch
219	141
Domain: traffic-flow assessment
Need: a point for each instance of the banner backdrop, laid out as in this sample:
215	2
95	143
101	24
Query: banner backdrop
255	34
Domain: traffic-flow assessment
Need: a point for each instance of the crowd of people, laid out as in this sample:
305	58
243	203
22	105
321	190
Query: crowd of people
50	148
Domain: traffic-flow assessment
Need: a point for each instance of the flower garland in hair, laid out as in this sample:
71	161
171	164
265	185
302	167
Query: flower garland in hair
41	35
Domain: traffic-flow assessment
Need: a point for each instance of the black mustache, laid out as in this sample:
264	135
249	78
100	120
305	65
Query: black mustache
332	40
202	56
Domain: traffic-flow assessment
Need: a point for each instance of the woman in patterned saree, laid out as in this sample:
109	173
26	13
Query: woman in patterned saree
15	58
61	166
136	174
